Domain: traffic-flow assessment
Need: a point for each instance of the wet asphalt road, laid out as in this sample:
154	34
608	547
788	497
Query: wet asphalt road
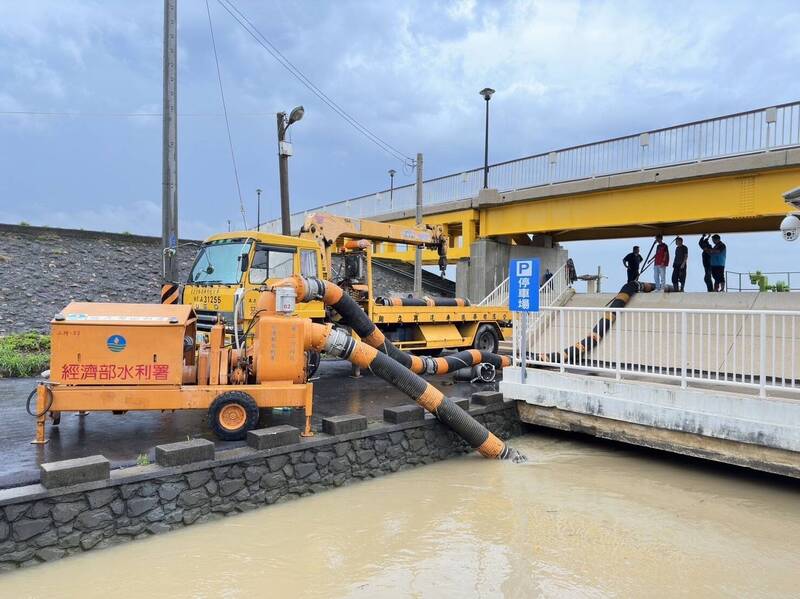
122	438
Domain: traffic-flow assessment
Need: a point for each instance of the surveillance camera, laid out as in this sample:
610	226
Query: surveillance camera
790	227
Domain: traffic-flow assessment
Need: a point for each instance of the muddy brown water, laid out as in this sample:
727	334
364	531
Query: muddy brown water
581	519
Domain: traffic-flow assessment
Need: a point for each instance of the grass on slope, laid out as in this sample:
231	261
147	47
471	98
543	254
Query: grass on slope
24	354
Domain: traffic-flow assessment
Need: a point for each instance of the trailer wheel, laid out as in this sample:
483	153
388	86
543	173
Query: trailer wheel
486	339
232	414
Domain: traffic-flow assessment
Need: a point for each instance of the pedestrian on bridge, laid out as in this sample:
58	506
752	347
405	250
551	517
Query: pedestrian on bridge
705	245
679	265
660	262
718	254
632	262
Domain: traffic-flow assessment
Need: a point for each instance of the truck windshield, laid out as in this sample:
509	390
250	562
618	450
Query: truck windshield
220	262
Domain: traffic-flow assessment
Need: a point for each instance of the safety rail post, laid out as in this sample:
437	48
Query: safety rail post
618	341
762	368
684	348
562	337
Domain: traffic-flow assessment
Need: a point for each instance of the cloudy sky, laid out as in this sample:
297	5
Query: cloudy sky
565	73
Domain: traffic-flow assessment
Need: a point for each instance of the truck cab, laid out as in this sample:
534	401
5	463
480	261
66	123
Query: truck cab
231	267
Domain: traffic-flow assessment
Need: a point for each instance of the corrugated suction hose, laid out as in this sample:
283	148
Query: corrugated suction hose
310	288
573	353
337	343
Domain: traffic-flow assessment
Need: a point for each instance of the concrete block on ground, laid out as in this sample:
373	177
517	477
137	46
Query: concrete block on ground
184	452
407	413
461	402
274	436
347	423
487	398
73	472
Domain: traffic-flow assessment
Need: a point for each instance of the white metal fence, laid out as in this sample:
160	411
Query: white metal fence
751	350
748	132
550	292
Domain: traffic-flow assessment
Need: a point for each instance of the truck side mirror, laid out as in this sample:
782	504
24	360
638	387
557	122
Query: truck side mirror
244	262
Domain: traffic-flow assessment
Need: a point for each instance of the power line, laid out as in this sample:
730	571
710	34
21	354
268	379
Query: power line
264	42
125	114
227	122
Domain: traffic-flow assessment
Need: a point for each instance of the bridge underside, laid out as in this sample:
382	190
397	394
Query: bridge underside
734	195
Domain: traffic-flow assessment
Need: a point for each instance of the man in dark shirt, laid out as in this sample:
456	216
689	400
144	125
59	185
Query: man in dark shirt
632	262
705	245
718	254
679	265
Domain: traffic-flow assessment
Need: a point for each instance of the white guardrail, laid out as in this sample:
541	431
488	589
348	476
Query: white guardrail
751	350
748	132
549	293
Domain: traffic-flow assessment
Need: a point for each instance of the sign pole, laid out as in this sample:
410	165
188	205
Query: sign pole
523	347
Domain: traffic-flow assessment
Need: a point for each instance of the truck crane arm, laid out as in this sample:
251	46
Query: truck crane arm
331	231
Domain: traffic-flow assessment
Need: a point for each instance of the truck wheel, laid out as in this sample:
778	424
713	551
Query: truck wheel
312	363
486	339
232	414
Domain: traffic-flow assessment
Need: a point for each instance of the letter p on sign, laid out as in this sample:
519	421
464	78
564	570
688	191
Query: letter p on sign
524	268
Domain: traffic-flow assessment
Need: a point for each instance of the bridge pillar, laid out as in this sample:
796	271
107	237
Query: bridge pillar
487	265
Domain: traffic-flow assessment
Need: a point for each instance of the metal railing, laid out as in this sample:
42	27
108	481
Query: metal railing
740	281
744	349
549	293
754	131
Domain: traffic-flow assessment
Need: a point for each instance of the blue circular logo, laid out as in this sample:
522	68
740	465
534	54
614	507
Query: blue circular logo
116	343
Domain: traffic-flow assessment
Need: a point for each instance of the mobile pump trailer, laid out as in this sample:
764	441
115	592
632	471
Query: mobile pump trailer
230	268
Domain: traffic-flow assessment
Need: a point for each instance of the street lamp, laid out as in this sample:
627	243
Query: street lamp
258	211
487	95
392	173
284	151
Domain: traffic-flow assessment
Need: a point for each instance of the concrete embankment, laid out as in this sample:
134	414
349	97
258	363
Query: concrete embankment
81	505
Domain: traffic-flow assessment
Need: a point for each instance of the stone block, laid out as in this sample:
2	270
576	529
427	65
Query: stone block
73	472
461	402
399	414
184	452
341	425
274	436
487	398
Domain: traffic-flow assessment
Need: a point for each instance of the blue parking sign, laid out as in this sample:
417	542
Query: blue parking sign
523	285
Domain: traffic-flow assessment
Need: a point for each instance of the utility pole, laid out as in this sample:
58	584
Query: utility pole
284	151
418	256
169	149
258	210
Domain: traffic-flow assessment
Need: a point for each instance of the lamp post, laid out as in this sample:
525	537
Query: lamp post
392	173
284	151
487	95
258	210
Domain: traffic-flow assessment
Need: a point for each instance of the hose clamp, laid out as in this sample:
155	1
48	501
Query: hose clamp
339	344
430	365
315	289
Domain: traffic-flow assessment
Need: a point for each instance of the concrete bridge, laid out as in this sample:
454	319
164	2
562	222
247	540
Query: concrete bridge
725	174
715	376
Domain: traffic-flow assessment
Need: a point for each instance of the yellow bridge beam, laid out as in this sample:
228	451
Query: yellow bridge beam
742	202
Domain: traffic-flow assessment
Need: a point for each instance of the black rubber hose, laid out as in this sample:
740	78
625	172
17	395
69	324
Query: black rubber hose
469	429
339	344
573	353
49	402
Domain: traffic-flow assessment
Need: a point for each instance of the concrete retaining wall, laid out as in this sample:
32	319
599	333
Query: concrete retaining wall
40	524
